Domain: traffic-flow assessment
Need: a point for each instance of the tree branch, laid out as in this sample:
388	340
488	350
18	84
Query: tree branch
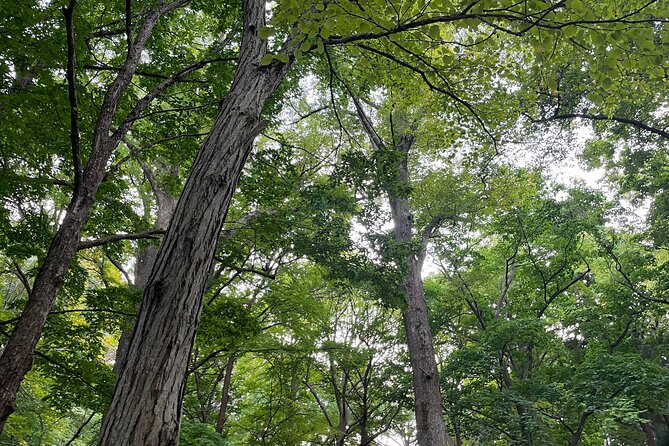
150	234
75	139
144	102
563	289
80	430
600	117
22	277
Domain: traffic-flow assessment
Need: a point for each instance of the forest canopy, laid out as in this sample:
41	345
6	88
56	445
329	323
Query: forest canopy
334	222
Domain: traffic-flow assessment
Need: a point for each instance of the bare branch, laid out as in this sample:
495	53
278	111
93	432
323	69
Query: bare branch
627	282
80	430
319	402
561	290
312	112
150	234
142	73
75	139
144	102
433	87
22	277
600	117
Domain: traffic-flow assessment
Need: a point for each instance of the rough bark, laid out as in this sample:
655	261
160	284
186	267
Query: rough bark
147	403
19	352
430	426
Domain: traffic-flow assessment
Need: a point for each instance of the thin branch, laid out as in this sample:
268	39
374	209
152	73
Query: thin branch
600	117
82	310
531	20
148	173
319	402
142	73
80	430
22	277
629	284
119	267
66	368
428	231
75	139
312	112
433	87
144	102
150	234
561	290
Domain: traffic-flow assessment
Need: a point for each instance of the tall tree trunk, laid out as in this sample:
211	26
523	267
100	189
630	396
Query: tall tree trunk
147	403
430	426
19	352
225	395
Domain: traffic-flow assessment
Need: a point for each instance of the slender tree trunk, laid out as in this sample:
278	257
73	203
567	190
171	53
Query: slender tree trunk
19	352
147	403
649	432
578	434
430	426
225	395
520	409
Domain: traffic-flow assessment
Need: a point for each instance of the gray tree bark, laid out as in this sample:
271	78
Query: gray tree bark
430	425
147	403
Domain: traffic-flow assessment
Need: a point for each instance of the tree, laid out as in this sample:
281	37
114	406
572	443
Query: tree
310	30
175	289
113	120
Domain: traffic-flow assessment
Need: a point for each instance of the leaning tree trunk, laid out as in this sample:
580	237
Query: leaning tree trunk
430	426
19	352
147	403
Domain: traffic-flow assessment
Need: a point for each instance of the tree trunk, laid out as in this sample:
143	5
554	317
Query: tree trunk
225	395
430	426
19	352
147	403
578	434
649	432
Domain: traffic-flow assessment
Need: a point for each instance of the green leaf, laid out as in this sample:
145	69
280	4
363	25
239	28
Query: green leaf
265	32
434	32
266	60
